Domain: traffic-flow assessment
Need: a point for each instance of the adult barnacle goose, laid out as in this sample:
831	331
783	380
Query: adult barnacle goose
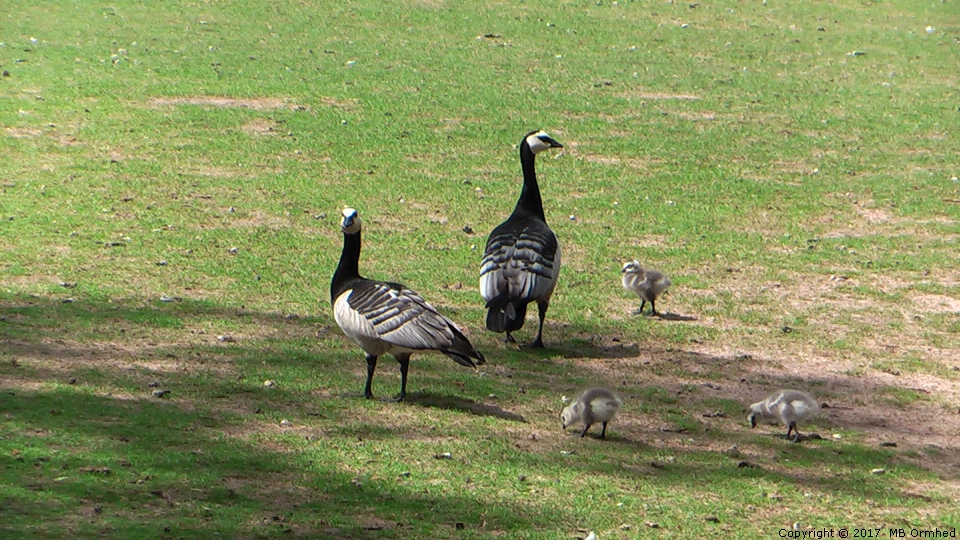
389	318
522	258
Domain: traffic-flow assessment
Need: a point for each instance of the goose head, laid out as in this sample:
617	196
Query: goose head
538	141
631	267
351	221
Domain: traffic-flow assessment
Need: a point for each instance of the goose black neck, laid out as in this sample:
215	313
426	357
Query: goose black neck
530	203
348	269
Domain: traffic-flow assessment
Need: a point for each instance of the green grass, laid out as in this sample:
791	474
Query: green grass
169	205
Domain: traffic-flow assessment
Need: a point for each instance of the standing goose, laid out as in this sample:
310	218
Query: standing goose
389	318
522	259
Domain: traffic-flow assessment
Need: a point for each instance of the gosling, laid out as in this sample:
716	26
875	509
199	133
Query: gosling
647	284
594	405
788	406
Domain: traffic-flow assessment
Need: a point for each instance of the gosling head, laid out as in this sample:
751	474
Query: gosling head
755	410
631	267
351	221
567	417
538	141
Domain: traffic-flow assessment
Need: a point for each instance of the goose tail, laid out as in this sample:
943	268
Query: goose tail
504	315
463	353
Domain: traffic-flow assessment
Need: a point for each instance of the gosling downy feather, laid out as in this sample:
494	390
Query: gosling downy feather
647	284
594	405
389	318
788	406
521	261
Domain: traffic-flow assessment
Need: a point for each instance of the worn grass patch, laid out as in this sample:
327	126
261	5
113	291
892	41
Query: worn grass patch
168	222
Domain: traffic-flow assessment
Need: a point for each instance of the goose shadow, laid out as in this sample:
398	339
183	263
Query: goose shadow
454	403
666	316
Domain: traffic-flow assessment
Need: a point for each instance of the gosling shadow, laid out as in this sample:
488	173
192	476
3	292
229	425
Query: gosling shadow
804	437
454	403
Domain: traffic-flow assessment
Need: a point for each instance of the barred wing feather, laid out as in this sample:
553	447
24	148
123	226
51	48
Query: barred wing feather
401	317
521	266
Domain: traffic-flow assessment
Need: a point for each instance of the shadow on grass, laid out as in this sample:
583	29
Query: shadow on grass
667	316
78	464
455	403
29	322
813	465
44	317
190	457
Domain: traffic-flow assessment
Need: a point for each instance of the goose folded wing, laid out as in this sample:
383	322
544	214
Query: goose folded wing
401	317
532	270
493	281
525	264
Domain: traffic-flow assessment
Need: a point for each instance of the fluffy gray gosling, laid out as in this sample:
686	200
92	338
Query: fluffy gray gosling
647	284
594	405
787	406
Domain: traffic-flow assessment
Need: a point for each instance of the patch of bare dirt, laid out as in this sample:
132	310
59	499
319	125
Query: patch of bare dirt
23	133
603	160
219	172
226	102
744	367
873	214
926	433
260	126
936	303
698	116
646	240
653	96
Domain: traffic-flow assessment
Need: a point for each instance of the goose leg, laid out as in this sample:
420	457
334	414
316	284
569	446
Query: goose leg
404	360
603	432
509	339
639	310
584	432
796	432
542	306
371	366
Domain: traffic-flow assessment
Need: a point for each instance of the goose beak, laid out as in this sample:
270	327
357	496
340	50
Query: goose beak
753	420
551	142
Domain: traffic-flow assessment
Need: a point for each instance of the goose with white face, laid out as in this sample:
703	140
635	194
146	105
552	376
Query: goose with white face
351	221
540	141
384	317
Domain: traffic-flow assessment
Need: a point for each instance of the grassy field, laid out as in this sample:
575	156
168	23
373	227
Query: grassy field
169	204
